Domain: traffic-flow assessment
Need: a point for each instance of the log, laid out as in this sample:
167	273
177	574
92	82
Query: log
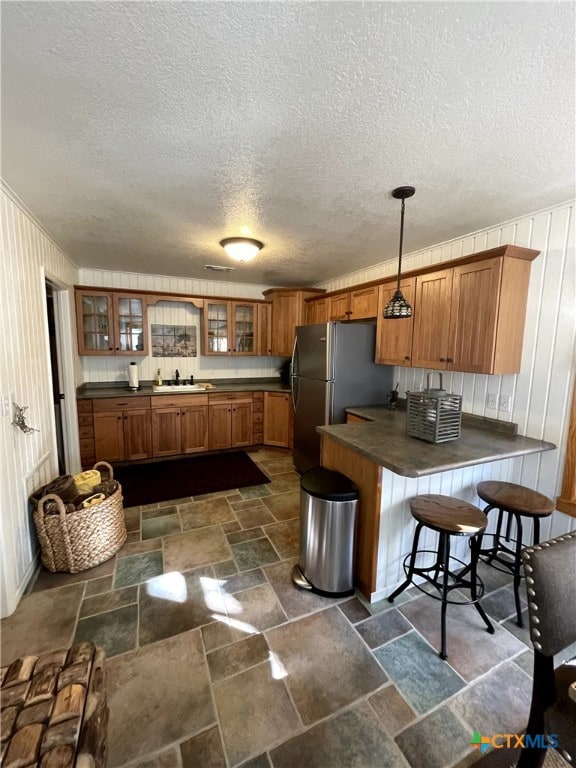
69	703
61	756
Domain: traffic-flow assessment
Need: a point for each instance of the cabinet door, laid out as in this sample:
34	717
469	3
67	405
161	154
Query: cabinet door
241	424
285	318
130	324
216	327
394	337
136	434
194	419
94	322
219	426
475	296
364	303
277	419
265	329
431	320
109	436
316	311
244	329
166	431
339	307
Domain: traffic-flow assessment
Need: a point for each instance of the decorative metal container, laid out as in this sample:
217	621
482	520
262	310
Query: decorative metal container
433	415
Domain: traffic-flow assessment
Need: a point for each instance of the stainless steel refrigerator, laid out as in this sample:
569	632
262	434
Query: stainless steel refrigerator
332	369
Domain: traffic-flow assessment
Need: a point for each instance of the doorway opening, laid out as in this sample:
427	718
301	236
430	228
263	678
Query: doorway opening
55	367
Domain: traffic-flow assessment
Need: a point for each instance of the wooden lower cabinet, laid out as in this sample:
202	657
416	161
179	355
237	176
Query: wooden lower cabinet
229	420
179	424
277	407
122	436
121	428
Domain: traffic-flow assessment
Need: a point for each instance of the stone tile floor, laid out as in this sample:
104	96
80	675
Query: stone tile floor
216	659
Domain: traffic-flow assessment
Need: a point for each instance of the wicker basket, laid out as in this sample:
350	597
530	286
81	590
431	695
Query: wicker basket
76	541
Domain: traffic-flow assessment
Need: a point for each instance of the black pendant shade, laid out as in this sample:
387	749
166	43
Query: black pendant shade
398	307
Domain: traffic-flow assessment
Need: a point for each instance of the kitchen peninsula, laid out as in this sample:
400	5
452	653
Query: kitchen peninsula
389	467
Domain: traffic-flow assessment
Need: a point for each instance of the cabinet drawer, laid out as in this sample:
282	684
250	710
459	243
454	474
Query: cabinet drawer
257	418
86	446
258	396
107	404
177	401
86	432
229	397
85	419
84	406
258	406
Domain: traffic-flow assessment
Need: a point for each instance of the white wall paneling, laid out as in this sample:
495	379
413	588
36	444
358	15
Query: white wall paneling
27	255
541	392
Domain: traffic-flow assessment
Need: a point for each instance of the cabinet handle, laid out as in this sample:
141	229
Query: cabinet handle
406	357
442	359
117	349
110	349
449	359
119	418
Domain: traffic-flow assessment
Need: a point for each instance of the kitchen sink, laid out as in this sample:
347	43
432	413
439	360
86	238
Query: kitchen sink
178	387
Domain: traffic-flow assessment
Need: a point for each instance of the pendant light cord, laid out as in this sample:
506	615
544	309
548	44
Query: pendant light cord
401	243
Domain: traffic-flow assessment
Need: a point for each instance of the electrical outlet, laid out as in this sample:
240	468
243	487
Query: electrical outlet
491	401
5	405
505	403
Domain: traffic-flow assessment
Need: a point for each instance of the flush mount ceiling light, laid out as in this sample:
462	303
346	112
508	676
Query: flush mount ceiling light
241	248
398	307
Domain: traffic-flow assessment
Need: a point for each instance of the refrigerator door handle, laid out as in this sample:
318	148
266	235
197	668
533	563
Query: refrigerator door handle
293	374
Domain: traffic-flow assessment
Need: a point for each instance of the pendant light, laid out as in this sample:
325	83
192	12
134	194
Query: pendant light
398	307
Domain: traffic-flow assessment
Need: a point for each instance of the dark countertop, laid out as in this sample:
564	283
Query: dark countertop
385	442
93	390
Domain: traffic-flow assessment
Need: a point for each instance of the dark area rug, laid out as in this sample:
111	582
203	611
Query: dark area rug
190	476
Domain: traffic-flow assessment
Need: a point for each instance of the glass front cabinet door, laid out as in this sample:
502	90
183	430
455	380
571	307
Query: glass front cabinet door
217	328
110	323
244	335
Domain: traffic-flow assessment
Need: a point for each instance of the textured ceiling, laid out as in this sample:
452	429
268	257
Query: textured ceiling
142	133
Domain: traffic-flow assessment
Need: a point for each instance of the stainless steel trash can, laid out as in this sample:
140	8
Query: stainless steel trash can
328	502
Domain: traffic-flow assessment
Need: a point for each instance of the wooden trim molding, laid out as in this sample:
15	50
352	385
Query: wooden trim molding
566	502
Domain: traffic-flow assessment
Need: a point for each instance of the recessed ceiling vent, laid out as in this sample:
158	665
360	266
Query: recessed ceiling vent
218	268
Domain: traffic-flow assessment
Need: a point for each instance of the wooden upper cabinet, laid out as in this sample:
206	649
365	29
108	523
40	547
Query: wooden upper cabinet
316	311
489	301
111	323
473	315
339	306
431	315
360	304
230	328
364	303
265	328
394	337
287	314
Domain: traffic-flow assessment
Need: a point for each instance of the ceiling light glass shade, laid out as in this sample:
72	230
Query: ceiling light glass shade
397	307
241	248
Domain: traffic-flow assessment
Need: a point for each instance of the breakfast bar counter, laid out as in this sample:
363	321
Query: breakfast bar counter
389	467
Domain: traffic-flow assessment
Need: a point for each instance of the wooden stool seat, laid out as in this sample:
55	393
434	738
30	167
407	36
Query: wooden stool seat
513	503
447	514
515	498
448	517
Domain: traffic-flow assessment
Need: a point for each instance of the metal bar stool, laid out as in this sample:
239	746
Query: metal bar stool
449	517
513	502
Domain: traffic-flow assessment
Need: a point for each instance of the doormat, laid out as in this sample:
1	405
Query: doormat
190	476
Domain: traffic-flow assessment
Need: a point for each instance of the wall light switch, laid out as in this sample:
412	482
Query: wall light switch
505	403
491	401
